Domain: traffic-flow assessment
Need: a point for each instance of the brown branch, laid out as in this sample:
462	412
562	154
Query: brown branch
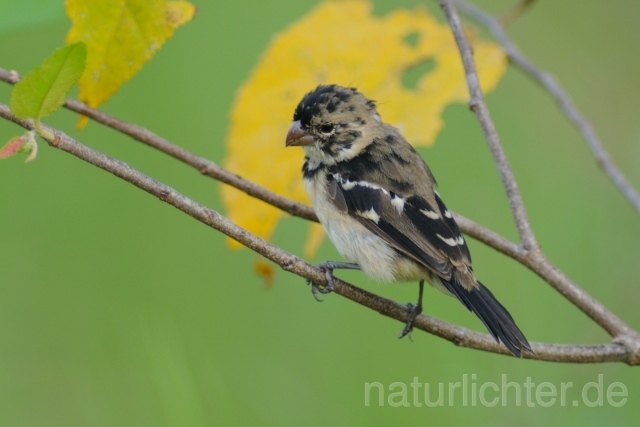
616	352
479	107
538	264
214	171
559	95
533	257
205	166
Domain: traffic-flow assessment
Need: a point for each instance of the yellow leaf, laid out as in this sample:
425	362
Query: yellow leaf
120	35
342	43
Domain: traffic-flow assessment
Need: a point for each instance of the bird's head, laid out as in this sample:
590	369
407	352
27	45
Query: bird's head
333	123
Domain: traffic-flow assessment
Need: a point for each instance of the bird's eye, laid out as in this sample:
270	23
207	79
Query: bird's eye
327	129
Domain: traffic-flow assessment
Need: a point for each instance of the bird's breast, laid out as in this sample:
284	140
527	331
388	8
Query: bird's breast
355	242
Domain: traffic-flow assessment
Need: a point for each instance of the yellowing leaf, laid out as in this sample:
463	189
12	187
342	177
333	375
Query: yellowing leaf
121	35
343	43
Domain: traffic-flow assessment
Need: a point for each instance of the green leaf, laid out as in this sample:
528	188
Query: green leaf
43	90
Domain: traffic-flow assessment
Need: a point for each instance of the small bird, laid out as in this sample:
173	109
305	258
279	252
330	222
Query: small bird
375	197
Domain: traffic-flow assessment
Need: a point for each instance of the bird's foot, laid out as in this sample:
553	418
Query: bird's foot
414	311
323	289
328	267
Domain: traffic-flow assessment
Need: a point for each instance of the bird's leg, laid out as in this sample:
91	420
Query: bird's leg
414	311
327	267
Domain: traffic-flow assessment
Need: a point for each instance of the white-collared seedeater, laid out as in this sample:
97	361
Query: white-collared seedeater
375	197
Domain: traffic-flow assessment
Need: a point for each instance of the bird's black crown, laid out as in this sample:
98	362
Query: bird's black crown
329	99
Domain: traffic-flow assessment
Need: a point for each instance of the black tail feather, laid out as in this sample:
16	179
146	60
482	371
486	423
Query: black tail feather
493	314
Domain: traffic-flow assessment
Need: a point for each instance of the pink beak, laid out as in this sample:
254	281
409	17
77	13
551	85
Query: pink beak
297	136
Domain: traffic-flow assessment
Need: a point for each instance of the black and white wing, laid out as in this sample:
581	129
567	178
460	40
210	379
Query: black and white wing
427	233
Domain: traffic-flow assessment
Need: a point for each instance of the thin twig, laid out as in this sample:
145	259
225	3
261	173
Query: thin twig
205	166
456	334
479	106
534	258
560	96
214	171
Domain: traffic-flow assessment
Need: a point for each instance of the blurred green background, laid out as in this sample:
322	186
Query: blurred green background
116	309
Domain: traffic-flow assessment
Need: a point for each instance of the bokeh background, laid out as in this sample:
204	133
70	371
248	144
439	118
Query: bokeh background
116	309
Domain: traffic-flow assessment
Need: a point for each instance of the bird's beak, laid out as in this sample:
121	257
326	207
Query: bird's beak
297	136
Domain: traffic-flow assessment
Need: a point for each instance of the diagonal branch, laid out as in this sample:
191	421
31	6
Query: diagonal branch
456	334
536	263
533	257
213	170
205	166
479	107
559	95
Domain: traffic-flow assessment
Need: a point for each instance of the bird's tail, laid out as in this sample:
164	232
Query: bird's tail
495	317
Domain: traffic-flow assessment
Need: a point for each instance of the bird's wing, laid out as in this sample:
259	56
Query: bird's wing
427	234
432	238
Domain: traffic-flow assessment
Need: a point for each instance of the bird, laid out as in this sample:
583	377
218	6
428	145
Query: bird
377	200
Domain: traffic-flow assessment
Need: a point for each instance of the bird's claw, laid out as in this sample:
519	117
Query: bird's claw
326	289
414	311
